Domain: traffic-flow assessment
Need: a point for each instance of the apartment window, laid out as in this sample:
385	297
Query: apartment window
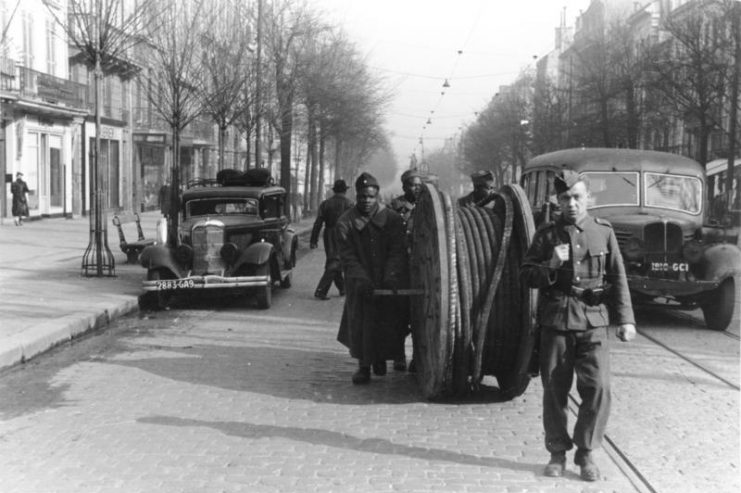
51	52
28	40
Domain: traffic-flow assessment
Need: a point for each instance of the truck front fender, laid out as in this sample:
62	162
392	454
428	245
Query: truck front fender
722	261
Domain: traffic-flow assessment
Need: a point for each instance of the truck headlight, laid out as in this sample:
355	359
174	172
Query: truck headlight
633	249
692	251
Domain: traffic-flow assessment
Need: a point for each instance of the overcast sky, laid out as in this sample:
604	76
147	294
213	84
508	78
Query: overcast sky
414	45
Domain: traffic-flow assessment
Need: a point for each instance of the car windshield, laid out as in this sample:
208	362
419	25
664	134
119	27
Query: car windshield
612	188
221	205
683	193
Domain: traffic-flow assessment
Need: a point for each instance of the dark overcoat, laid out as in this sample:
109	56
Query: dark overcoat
372	252
328	214
19	189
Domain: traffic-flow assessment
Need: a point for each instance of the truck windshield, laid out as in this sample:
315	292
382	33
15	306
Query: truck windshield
612	188
682	193
208	207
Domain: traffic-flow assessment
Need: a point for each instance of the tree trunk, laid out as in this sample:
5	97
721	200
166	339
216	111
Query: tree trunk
321	164
173	214
285	151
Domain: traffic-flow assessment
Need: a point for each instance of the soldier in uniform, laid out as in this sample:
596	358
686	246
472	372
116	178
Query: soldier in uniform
483	189
411	184
329	212
576	264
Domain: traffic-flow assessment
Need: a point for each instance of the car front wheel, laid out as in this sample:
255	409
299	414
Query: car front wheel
264	294
718	309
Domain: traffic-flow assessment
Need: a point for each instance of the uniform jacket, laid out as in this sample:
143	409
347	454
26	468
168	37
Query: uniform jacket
329	212
594	262
371	251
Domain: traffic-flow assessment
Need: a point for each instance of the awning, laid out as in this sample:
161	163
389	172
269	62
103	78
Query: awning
719	166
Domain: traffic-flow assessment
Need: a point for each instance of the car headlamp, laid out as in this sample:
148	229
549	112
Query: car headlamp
184	254
229	252
633	249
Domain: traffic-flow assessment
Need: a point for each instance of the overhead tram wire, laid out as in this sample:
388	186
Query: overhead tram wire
446	84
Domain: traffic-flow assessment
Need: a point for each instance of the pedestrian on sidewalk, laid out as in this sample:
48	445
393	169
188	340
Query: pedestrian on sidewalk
575	262
329	212
371	247
19	191
411	185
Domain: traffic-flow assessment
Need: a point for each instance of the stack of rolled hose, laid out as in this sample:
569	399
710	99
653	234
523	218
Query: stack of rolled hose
475	318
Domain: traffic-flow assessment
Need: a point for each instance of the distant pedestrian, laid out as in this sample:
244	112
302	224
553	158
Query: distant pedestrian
576	263
371	246
411	185
483	189
19	190
329	212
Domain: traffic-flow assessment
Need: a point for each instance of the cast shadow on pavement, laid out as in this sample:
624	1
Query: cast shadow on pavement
317	436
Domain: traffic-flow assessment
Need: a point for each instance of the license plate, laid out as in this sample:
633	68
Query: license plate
176	284
670	267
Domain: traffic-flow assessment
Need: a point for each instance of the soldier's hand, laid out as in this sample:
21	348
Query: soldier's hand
312	245
560	255
626	332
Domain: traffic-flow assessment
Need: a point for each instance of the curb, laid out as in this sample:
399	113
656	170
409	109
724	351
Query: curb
50	334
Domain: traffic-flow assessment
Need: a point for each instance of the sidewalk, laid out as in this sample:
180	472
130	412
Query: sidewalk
45	299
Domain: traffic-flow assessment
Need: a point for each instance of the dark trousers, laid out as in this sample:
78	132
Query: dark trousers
332	273
563	354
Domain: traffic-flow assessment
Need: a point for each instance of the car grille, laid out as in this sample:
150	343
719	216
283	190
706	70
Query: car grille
207	241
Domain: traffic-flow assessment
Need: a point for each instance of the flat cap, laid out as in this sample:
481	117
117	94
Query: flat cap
409	174
565	180
366	180
339	186
481	176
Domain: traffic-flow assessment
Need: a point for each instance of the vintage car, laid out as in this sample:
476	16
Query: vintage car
233	234
655	202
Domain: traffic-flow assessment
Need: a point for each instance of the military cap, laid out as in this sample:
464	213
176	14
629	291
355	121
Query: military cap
366	180
565	180
409	174
482	176
339	186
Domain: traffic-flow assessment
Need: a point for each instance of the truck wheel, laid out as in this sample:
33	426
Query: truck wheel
164	298
718	310
264	294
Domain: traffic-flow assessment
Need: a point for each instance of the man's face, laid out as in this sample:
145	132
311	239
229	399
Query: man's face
367	199
573	202
412	188
483	189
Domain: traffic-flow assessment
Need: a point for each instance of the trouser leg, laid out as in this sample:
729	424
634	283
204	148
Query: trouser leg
592	366
339	281
556	373
330	268
324	283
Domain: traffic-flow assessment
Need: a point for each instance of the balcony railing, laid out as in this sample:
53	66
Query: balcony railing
51	89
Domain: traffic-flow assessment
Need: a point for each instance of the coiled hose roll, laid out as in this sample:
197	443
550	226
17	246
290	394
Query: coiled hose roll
474	318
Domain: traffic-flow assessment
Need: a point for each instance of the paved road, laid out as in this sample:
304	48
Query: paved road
240	399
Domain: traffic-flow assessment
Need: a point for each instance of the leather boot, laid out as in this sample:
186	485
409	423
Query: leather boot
379	368
556	466
362	376
588	469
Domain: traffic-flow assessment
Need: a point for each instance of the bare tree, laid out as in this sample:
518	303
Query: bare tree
287	25
175	75
692	69
103	32
225	54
